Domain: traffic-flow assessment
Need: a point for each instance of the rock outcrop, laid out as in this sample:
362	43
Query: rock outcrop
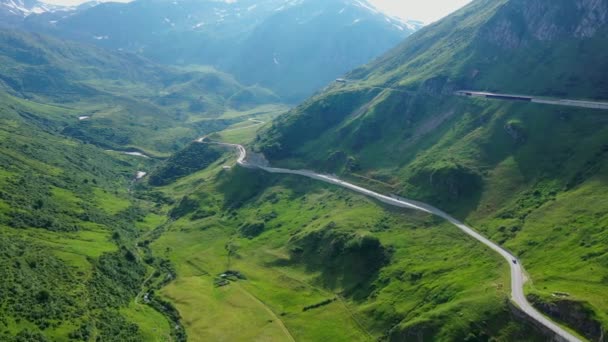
520	21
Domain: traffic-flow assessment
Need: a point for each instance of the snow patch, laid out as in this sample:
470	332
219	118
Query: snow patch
367	6
414	26
25	8
168	21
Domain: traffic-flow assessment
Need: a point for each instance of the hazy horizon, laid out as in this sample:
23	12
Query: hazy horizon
426	11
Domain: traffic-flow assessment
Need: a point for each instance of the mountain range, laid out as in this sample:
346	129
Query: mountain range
24	8
291	47
136	100
79	124
124	215
529	176
14	12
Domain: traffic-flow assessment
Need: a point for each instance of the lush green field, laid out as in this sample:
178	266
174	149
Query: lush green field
327	263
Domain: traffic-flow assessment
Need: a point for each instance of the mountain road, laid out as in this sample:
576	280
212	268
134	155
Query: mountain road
533	99
518	277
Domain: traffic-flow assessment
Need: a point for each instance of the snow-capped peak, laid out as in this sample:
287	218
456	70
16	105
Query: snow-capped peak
25	8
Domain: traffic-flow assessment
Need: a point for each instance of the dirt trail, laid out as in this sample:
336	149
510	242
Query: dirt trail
275	318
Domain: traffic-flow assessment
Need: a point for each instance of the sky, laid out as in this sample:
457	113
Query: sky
424	10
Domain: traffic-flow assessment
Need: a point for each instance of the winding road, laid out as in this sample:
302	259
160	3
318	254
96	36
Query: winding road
518	277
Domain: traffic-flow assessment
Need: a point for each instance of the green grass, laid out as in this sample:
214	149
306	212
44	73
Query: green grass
576	261
74	248
79	241
66	199
214	313
111	203
237	135
67	228
154	326
150	221
244	132
530	177
420	283
74	226
150	107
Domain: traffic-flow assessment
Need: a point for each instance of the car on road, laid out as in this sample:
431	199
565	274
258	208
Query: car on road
514	261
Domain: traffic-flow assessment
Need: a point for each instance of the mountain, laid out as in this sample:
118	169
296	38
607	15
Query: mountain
68	228
93	249
291	47
74	223
130	103
529	176
13	12
24	8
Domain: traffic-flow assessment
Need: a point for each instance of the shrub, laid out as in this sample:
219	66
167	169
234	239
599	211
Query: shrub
252	229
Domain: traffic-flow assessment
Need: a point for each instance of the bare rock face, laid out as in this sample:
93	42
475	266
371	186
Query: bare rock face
595	15
504	35
516	132
540	21
521	21
575	314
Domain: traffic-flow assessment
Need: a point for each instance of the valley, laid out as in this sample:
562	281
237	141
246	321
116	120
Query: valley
303	171
518	277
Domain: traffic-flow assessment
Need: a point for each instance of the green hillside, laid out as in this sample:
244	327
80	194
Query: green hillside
130	103
325	264
75	224
202	249
68	230
532	177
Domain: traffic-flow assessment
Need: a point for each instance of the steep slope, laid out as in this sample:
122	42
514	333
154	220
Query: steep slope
70	266
529	176
314	42
74	223
535	48
292	47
